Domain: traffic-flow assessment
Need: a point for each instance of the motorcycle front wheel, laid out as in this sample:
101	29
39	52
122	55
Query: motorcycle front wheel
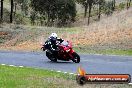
76	58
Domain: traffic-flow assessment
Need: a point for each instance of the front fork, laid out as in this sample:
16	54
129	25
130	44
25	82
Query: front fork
71	52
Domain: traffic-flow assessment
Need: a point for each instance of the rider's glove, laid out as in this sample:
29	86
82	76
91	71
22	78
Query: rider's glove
43	48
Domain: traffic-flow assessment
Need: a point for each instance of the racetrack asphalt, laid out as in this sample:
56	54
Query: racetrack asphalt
102	64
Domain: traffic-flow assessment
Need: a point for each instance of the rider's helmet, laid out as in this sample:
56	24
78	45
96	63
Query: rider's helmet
54	35
53	38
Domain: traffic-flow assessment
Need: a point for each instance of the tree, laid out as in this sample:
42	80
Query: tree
24	6
88	5
86	8
47	8
60	11
32	17
84	3
108	8
2	10
11	13
128	3
66	11
101	4
113	5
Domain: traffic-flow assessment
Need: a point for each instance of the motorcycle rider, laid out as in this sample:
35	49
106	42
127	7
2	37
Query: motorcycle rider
52	43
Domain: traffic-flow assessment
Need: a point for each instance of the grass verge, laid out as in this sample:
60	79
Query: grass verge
15	77
105	52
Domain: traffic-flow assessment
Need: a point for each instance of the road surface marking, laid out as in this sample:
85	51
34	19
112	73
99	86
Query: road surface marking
3	64
50	70
65	72
20	66
12	65
58	71
71	73
130	83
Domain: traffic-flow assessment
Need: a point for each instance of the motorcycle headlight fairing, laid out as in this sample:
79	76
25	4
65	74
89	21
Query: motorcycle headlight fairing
68	50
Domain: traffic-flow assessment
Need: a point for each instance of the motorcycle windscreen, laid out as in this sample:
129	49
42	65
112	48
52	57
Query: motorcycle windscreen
65	43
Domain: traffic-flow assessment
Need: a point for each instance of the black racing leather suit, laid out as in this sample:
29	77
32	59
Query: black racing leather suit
51	44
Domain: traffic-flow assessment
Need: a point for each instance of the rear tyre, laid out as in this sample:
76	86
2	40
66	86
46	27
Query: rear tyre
51	57
76	57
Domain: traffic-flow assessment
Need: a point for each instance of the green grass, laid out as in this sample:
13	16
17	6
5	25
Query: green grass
105	52
15	77
117	52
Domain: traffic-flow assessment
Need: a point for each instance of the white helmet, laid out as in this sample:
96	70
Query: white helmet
53	35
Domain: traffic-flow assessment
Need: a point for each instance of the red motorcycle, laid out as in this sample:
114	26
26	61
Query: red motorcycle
65	53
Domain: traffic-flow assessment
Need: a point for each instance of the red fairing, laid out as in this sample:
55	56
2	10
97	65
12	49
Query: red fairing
72	51
70	46
65	48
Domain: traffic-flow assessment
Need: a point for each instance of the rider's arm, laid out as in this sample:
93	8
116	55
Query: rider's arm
47	44
60	40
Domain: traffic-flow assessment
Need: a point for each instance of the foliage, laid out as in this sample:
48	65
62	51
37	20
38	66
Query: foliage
122	6
32	17
60	11
6	15
19	19
88	4
18	1
108	10
101	6
57	12
82	2
128	3
24	5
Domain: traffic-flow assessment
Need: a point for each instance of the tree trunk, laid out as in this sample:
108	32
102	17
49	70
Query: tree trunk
114	5
130	3
99	13
85	13
86	8
89	14
1	10
48	16
127	4
11	13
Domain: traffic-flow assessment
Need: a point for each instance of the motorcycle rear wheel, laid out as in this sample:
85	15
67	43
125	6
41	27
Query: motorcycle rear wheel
76	57
51	57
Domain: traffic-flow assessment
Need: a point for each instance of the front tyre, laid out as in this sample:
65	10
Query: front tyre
76	58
